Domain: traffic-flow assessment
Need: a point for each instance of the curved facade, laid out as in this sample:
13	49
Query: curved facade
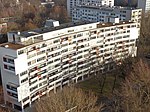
42	60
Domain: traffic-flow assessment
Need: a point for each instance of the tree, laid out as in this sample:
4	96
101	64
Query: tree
135	93
70	98
59	13
30	25
2	101
144	40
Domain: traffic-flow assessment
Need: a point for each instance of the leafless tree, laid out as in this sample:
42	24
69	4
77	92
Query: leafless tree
144	40
135	93
70	99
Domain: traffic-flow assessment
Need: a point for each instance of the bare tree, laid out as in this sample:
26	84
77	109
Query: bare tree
70	99
135	93
144	40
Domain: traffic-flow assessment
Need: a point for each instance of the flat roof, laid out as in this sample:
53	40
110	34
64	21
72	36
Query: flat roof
101	25
106	8
16	46
49	29
13	46
42	30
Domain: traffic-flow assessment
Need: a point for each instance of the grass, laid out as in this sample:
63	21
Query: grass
90	84
93	85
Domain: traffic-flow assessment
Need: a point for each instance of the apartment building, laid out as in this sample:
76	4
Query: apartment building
73	3
45	59
103	14
144	5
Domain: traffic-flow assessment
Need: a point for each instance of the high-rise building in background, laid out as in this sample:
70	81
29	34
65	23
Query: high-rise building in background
103	14
144	5
94	13
73	3
45	59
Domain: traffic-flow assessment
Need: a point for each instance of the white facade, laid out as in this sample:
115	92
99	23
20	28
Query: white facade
73	3
144	5
105	14
38	61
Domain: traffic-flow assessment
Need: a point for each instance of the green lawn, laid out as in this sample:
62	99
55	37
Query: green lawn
93	85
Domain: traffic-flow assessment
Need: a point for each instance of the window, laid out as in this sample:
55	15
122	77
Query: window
56	41
31	62
12	94
4	59
23	73
93	37
32	82
107	29
41	72
5	66
8	60
11	88
79	35
9	67
50	62
41	66
25	99
43	45
24	80
20	52
41	52
17	107
39	37
32	55
64	50
33	88
40	59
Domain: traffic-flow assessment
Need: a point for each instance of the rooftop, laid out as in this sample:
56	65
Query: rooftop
96	6
49	29
16	46
13	46
101	25
62	26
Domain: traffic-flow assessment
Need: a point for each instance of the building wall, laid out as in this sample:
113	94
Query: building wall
144	4
99	14
72	3
66	56
8	76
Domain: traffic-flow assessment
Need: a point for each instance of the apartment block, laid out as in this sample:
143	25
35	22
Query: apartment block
35	62
73	3
144	5
103	14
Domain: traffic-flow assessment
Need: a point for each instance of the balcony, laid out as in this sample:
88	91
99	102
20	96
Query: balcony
34	98
33	78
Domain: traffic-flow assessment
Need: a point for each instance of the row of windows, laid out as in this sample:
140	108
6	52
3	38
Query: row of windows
8	67
12	94
43	83
34	61
11	88
33	88
8	60
24	80
23	73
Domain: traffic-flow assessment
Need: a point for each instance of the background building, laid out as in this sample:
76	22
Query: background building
41	60
73	3
96	13
144	5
